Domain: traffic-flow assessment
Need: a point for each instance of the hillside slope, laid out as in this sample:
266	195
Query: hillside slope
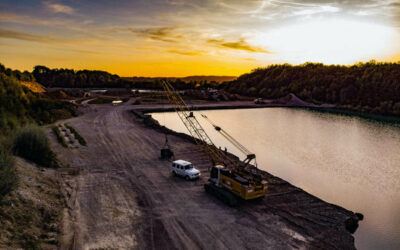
30	216
366	87
19	105
33	86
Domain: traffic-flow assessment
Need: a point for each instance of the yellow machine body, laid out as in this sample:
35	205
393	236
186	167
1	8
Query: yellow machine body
240	185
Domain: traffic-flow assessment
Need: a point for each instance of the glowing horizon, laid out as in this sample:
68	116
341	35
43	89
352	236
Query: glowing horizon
175	38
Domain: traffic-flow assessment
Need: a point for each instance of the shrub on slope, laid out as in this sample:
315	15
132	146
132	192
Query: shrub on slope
32	144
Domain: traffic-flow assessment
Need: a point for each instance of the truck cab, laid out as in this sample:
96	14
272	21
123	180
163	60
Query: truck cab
185	169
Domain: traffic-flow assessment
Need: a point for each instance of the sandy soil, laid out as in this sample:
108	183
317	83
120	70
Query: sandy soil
30	215
126	197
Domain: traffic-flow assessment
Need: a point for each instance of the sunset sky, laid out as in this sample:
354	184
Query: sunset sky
195	37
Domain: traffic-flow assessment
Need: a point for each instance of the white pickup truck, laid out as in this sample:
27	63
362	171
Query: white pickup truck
185	169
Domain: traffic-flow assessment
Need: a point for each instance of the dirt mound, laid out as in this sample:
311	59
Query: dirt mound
57	94
293	100
34	87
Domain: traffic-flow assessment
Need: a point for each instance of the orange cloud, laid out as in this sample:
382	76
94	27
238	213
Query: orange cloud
238	45
185	53
165	34
4	33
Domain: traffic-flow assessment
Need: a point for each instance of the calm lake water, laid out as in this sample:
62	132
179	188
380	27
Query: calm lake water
347	161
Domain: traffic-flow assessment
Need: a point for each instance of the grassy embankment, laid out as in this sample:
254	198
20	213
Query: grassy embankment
30	201
27	198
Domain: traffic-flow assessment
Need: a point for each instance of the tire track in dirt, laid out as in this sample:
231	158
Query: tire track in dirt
127	198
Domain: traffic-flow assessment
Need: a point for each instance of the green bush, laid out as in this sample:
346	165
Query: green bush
77	135
8	174
60	138
101	100
138	101
31	143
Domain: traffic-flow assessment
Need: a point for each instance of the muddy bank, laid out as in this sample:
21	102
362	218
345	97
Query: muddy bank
250	105
221	106
328	225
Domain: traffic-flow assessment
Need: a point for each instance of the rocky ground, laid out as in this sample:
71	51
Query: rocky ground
120	194
30	217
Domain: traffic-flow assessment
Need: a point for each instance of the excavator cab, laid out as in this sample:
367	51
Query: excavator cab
215	173
232	186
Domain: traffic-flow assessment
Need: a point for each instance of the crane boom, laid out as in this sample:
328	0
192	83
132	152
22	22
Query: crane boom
249	155
229	179
192	124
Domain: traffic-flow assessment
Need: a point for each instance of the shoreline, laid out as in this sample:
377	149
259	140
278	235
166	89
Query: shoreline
387	119
212	105
277	184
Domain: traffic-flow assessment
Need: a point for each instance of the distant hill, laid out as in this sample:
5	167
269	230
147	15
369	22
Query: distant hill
69	78
218	79
365	87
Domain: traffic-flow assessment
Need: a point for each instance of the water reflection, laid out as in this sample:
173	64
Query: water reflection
343	160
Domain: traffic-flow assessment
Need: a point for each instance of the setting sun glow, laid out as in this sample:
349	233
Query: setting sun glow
190	37
329	42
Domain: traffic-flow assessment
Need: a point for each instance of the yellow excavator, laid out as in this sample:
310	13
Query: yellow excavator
230	179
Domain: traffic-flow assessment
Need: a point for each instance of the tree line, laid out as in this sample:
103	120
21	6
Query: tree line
25	76
177	83
366	87
69	78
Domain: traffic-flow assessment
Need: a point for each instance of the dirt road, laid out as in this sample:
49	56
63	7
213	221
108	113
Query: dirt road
125	197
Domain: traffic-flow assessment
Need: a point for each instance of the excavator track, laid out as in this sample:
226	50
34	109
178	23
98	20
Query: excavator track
221	194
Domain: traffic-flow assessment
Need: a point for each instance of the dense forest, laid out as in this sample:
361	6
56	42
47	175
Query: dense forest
366	87
68	78
18	75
